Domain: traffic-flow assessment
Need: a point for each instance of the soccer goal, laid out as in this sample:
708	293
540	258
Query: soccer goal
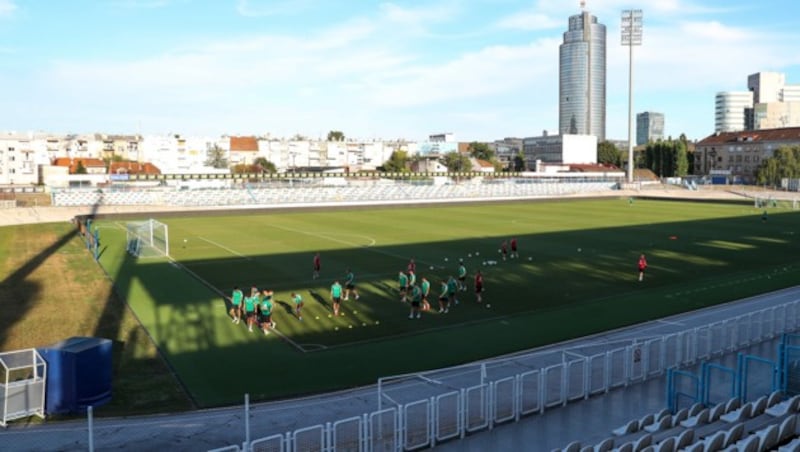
762	202
148	238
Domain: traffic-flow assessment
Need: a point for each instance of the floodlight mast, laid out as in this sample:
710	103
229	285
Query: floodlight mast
631	36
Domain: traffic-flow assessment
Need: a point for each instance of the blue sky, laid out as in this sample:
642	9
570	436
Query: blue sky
482	69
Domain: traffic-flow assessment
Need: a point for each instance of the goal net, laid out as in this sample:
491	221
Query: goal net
764	202
148	238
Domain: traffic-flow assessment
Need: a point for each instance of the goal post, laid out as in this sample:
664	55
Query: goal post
148	238
764	202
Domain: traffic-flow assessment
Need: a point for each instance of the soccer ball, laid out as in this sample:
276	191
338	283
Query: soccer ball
499	251
530	258
484	263
469	255
445	259
477	253
431	267
350	326
336	329
488	306
579	250
185	240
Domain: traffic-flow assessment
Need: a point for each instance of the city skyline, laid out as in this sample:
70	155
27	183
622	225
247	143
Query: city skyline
480	69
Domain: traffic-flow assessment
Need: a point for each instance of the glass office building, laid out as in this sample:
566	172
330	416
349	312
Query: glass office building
649	127
582	78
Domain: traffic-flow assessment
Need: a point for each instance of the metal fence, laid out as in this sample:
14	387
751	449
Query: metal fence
493	398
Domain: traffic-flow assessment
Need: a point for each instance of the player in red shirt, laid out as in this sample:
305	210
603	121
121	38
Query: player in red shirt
317	266
642	266
504	249
479	286
514	253
412	266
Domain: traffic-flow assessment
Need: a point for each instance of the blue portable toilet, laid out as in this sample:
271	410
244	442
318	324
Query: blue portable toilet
79	372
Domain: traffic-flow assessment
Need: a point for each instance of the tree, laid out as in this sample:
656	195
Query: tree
608	154
667	158
681	159
216	157
398	162
80	169
519	161
335	135
784	163
456	161
262	165
481	151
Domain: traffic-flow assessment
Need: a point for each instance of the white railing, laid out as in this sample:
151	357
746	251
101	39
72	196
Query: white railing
423	423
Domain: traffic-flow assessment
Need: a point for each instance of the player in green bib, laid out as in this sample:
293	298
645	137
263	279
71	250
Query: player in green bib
265	311
462	276
416	301
452	287
236	304
336	297
250	311
298	305
350	285
402	281
425	285
444	299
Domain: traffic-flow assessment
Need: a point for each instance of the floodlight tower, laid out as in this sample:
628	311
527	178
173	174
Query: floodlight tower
631	36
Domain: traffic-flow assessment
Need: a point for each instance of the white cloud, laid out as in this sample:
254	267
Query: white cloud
7	7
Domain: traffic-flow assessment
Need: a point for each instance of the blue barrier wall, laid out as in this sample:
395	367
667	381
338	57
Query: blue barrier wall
79	372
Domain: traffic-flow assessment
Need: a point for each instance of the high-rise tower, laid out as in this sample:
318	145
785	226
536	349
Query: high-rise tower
582	77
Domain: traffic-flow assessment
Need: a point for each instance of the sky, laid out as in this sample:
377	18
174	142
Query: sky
481	69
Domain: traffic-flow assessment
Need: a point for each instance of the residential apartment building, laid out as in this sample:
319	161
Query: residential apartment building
19	158
739	154
649	127
582	78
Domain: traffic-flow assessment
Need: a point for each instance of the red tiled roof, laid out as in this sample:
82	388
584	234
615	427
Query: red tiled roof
72	163
133	168
244	144
789	134
484	163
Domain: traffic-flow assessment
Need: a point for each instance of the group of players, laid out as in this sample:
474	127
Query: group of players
256	309
416	293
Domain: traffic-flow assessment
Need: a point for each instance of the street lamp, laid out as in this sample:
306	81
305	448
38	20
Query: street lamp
631	36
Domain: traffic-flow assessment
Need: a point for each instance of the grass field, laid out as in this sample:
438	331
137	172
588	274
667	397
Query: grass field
576	276
51	290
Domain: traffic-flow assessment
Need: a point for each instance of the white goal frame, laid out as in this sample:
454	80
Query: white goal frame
147	238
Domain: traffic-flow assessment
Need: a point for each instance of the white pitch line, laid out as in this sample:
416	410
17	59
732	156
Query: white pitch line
234	252
345	242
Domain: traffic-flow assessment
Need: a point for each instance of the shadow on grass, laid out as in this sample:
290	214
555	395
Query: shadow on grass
569	282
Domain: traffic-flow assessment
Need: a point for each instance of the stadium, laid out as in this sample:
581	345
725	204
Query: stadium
568	349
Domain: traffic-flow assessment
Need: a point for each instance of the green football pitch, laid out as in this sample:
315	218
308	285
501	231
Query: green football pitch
576	275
